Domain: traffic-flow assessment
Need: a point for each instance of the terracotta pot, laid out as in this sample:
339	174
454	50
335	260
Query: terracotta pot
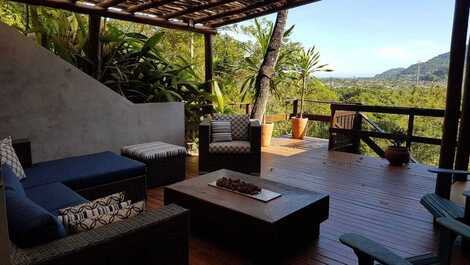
397	156
299	127
266	134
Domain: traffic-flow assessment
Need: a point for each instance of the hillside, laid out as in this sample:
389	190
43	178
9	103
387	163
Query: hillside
436	69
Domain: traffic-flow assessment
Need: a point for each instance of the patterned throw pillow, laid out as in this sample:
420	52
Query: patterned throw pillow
8	156
221	131
104	219
240	125
113	199
68	219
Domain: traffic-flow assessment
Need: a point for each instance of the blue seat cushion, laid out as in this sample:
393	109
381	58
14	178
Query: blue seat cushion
11	181
28	223
54	196
83	171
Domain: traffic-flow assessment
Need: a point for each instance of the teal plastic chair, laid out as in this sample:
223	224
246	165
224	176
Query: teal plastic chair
369	252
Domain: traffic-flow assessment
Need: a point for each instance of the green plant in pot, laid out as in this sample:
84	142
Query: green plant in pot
397	154
307	63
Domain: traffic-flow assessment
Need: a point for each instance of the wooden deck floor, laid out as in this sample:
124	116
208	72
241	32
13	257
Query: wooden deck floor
366	196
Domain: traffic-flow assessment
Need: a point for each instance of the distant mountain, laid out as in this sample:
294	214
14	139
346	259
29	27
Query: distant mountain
435	69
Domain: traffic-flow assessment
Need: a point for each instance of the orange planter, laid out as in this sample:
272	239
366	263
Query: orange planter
266	134
299	127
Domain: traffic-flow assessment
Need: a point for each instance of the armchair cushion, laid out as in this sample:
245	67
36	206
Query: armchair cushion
11	181
54	196
221	131
240	125
29	224
234	147
85	171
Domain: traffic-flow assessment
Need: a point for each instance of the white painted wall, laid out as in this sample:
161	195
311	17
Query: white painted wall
65	112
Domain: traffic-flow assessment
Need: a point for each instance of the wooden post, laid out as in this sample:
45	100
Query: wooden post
463	145
454	90
331	139
295	108
357	126
208	48
4	238
94	46
409	134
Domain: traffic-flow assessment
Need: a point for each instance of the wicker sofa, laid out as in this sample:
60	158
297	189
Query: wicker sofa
245	158
56	184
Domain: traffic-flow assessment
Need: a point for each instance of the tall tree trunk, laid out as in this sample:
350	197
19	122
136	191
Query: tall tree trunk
266	71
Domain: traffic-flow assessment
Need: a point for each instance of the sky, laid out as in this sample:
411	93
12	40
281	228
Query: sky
361	38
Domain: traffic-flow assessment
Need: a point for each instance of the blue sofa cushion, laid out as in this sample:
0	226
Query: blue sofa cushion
83	171
11	181
28	223
54	196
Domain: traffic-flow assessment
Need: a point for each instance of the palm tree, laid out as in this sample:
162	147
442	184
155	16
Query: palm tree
267	68
262	35
308	63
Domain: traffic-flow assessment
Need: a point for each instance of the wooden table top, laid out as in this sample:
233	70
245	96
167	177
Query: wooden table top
292	199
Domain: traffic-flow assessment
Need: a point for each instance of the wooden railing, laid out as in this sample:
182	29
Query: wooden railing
412	113
349	123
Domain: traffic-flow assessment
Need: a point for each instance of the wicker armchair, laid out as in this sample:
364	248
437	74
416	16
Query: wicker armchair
156	237
241	155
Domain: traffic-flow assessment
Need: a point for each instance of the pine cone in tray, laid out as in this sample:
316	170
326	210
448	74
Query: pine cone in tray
238	185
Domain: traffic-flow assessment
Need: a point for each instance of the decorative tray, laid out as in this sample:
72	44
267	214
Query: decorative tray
264	195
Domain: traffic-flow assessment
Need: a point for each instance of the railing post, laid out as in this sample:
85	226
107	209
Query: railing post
454	90
409	134
331	140
357	126
463	144
295	108
247	108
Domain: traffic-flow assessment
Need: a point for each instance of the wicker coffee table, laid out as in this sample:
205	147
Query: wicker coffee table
266	227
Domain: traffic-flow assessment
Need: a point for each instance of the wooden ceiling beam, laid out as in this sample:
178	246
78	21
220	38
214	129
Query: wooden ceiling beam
110	3
148	5
122	15
274	9
235	11
198	8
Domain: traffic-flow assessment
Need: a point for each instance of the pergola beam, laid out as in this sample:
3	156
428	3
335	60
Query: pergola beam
454	94
122	15
274	9
234	11
148	5
197	8
110	3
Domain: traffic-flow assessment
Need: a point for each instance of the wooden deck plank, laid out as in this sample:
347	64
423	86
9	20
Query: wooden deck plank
367	197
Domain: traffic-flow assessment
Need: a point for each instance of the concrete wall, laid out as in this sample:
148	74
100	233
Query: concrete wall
65	112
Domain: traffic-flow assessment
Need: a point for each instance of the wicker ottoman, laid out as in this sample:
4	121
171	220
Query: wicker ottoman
166	163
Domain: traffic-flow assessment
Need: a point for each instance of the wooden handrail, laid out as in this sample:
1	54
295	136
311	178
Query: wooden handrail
391	110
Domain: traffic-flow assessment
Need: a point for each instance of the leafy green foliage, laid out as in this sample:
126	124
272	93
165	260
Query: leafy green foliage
307	63
149	64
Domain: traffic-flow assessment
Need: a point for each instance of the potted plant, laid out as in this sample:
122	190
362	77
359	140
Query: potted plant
307	63
397	154
266	132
